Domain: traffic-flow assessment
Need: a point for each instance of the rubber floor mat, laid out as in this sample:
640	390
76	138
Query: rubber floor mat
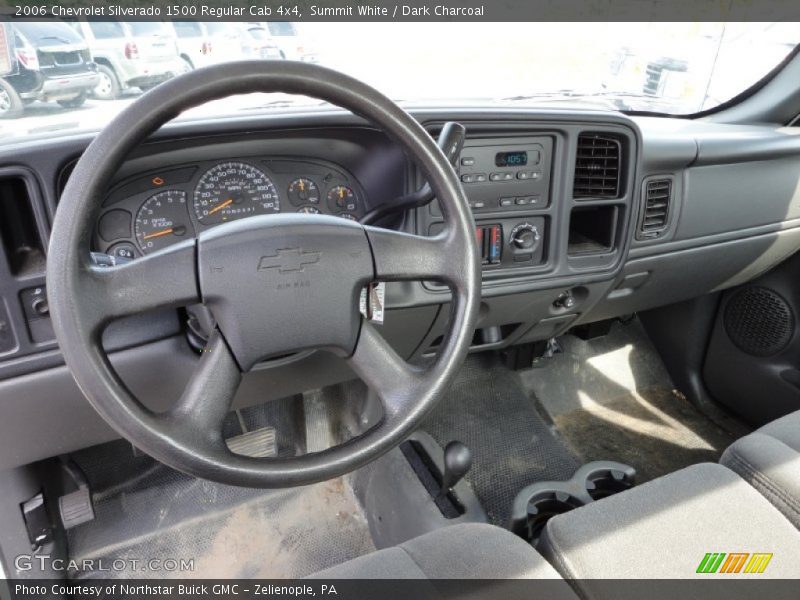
487	409
611	398
655	430
146	510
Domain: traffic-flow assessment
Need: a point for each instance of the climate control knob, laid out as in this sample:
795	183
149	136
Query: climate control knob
525	236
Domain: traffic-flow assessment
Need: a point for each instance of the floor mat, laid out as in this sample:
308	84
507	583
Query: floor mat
487	409
218	531
611	398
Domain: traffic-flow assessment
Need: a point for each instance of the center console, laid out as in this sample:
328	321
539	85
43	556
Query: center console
553	204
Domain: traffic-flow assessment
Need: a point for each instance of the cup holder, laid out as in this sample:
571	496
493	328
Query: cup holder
541	508
608	482
538	503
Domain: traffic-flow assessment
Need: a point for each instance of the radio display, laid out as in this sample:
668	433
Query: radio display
517	158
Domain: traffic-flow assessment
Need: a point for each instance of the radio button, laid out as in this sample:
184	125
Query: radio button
506	201
467	161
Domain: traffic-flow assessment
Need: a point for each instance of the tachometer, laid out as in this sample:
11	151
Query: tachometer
162	220
234	190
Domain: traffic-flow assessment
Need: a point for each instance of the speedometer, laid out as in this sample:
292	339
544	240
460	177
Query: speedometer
234	190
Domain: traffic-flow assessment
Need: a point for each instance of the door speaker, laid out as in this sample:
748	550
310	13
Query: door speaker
759	321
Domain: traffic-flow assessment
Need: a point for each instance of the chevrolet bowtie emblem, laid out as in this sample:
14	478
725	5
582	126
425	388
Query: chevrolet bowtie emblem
288	260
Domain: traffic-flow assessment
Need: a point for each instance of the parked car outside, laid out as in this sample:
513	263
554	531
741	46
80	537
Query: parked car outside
226	40
292	44
136	54
6	65
195	45
50	63
258	43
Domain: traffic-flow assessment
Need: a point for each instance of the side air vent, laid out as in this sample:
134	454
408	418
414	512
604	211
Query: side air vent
597	166
21	239
657	198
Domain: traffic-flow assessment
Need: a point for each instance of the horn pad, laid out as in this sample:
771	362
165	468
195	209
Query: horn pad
278	284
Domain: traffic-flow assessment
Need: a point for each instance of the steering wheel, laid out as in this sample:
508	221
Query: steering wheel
275	284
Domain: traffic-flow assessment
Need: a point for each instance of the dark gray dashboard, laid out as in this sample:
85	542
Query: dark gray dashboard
694	207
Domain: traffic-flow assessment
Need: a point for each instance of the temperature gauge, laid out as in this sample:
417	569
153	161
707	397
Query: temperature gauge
342	198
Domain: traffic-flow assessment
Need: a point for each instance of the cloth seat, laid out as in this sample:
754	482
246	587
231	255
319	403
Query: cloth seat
664	529
769	460
465	551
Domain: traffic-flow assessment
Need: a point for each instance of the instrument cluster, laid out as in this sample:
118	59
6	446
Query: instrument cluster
151	211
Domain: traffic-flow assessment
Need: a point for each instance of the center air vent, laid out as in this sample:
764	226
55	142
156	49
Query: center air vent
657	196
597	167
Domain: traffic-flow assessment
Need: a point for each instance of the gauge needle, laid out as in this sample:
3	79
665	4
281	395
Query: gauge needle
227	202
159	233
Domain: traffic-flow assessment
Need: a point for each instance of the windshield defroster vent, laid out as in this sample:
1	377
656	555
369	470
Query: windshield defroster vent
657	198
597	167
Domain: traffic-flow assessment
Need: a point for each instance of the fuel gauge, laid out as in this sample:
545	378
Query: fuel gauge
303	191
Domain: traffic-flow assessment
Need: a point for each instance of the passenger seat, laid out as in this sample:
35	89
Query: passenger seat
769	459
665	528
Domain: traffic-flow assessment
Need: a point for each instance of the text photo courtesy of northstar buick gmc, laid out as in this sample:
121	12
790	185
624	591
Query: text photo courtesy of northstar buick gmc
290	300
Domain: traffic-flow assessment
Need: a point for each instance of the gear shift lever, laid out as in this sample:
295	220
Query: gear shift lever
457	461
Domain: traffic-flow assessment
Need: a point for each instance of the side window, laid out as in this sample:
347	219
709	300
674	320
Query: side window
106	30
186	29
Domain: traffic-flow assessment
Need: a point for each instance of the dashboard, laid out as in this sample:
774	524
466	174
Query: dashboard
152	210
580	216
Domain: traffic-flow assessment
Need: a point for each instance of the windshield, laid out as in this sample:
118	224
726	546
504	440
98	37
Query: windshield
674	68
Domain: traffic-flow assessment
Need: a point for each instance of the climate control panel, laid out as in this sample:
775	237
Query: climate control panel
507	243
512	242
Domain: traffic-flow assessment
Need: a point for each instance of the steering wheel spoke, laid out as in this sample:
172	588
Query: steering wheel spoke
405	257
166	278
207	399
384	371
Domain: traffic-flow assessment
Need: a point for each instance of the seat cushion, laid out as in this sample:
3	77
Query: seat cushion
769	459
664	529
467	551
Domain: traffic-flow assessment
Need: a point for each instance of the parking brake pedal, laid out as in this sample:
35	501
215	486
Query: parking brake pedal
76	508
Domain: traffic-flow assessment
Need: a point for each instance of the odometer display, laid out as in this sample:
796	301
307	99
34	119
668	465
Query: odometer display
234	190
